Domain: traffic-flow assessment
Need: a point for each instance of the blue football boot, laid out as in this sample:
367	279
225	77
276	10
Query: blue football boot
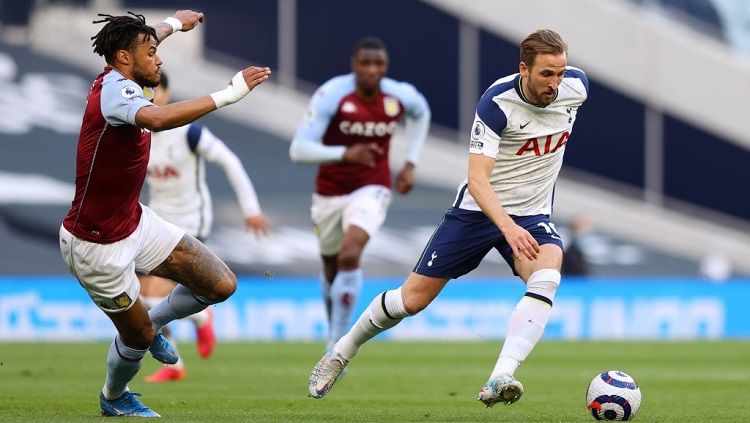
126	405
162	350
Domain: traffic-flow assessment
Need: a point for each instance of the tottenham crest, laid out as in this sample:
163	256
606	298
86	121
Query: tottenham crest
391	107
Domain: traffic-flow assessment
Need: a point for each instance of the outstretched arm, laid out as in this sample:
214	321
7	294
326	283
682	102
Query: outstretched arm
216	152
417	125
181	113
182	20
416	133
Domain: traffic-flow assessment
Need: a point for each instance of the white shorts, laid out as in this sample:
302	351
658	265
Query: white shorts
365	208
107	271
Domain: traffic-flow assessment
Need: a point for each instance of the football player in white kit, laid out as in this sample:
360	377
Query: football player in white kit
178	193
520	132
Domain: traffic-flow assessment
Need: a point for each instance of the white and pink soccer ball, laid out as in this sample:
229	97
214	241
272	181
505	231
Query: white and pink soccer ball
613	395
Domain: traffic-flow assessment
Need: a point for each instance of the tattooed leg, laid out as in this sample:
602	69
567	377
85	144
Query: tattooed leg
195	266
203	279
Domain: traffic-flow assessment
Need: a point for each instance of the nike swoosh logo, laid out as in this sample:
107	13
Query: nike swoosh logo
524	125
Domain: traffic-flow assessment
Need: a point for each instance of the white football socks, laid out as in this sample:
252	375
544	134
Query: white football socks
325	289
180	303
199	319
151	302
527	322
384	312
123	363
344	293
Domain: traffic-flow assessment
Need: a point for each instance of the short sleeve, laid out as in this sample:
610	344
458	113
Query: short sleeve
483	140
415	104
194	135
121	99
321	109
489	123
206	142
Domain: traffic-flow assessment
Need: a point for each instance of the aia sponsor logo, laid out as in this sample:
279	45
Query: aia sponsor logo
163	172
540	148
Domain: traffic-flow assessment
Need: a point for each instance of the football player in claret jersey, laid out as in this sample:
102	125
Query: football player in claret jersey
107	235
521	129
178	193
347	131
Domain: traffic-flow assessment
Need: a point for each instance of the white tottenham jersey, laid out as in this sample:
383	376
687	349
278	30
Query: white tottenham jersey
177	178
526	141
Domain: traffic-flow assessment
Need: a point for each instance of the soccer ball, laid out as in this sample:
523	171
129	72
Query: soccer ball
613	395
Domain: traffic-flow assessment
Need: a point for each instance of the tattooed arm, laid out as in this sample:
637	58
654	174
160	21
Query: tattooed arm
182	20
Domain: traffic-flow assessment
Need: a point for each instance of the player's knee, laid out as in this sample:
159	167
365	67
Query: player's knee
348	258
413	304
140	338
222	289
544	283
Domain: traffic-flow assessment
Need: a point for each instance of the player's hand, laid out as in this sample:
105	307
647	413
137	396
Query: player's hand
405	179
241	84
366	154
255	76
521	241
188	18
259	224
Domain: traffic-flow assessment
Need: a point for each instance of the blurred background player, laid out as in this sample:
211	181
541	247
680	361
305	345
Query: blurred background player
521	126
178	193
576	263
347	130
107	235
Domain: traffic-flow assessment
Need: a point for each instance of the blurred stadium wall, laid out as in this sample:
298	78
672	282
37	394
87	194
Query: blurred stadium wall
657	154
658	158
37	309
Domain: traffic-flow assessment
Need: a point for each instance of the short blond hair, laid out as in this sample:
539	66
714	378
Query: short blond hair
542	41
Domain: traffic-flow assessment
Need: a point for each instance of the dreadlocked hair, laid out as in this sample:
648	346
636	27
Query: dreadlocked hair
120	33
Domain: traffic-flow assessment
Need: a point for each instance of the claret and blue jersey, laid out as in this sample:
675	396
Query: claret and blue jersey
111	161
337	116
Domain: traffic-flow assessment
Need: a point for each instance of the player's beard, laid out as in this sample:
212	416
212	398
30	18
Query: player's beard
544	98
145	80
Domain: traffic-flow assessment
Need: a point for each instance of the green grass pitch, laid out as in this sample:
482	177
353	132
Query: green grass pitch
386	382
